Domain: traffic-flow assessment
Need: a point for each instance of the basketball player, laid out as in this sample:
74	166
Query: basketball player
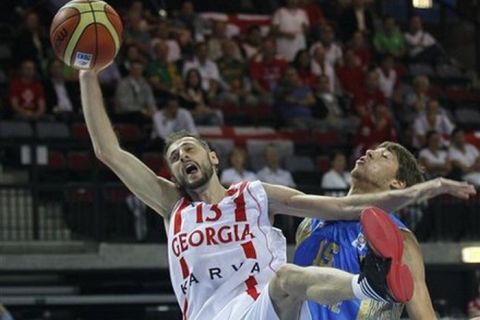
226	260
341	244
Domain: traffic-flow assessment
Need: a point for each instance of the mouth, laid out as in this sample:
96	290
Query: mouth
191	169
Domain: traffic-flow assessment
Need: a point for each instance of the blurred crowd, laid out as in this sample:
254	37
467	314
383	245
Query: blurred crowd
367	78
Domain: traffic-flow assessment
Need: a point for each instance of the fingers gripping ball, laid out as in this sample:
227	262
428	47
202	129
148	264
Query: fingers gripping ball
86	34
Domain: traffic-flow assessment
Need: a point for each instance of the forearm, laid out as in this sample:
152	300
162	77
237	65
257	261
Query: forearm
101	132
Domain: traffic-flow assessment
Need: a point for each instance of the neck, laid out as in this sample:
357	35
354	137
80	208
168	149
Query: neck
212	192
363	187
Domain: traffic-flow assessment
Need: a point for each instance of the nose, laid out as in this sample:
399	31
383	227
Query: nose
184	156
369	153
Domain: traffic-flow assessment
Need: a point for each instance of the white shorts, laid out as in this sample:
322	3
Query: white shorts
262	309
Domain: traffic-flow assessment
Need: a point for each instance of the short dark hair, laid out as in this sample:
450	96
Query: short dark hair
409	171
456	130
174	137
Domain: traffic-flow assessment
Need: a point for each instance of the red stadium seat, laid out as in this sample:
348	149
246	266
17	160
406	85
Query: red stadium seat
56	160
79	161
128	132
79	131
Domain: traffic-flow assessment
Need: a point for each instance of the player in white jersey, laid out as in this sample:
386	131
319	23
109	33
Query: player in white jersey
226	259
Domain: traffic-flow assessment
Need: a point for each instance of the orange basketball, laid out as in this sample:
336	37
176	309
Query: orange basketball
86	34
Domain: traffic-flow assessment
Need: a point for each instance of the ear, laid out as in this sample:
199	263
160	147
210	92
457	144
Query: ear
397	184
213	158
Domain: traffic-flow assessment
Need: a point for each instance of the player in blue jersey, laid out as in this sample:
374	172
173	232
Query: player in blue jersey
341	244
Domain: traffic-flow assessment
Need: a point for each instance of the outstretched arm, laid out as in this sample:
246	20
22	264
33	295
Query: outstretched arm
283	200
158	193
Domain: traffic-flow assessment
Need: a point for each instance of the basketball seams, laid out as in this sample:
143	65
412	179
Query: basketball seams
85	21
107	30
96	33
72	16
114	33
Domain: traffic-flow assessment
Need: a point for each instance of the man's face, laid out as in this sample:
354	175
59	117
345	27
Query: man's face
161	51
378	167
202	51
136	70
191	165
28	70
271	157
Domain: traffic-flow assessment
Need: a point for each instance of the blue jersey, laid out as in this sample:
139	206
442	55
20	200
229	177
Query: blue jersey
340	245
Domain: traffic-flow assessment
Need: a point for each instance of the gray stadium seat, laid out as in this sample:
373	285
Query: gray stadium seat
15	129
52	130
255	149
299	163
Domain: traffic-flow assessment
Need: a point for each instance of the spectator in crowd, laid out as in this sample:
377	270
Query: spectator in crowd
329	108
236	86
314	12
131	53
350	73
218	37
290	25
266	71
333	51
433	157
338	177
237	171
357	17
361	49
432	119
163	76
137	32
272	172
464	157
295	100
303	66
31	42
208	70
62	97
134	100
253	42
172	118
422	46
4	314
387	75
27	97
109	78
320	65
473	308
375	127
368	95
162	33
188	19
416	101
197	100
390	40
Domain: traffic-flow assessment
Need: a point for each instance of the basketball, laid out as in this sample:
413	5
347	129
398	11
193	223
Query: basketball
86	34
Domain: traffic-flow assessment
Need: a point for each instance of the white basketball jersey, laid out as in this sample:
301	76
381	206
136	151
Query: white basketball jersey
222	255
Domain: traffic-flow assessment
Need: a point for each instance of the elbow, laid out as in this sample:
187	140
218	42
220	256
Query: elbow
104	155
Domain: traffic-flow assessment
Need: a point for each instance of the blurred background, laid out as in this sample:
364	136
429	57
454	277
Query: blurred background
303	85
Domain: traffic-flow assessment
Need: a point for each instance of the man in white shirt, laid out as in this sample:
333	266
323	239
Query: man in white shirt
465	157
387	76
337	177
290	24
422	46
333	51
172	119
320	65
272	173
208	69
134	96
237	171
432	119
